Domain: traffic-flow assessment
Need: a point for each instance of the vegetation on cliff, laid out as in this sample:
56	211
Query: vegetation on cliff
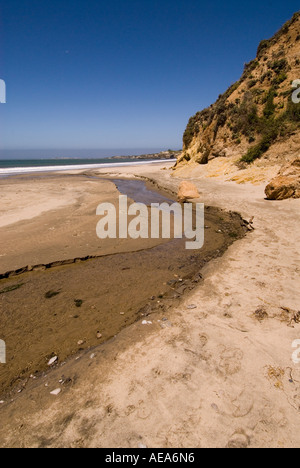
256	111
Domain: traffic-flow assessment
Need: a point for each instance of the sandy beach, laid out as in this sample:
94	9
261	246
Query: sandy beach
46	218
213	369
63	290
149	227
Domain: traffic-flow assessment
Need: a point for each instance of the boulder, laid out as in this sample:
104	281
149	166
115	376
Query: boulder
280	188
187	190
286	184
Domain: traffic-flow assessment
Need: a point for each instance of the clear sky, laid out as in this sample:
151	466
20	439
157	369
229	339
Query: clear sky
121	74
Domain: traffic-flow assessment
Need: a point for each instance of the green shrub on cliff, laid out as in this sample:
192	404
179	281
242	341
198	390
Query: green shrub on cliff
259	111
262	147
271	128
270	107
293	112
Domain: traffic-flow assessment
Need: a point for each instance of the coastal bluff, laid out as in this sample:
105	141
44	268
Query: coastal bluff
252	132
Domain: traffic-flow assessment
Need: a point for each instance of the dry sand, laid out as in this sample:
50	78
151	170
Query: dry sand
216	375
45	219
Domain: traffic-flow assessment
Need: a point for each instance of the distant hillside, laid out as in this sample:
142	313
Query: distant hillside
169	154
255	113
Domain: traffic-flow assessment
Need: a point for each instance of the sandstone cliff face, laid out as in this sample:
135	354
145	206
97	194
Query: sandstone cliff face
256	116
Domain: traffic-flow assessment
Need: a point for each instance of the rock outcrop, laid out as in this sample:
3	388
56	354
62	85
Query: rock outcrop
256	115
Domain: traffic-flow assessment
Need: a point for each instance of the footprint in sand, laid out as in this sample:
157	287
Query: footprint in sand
143	411
203	340
238	440
242	405
231	361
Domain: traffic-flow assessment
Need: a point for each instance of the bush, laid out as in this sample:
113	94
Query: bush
279	79
190	131
252	83
292	113
278	65
199	120
263	46
270	128
257	151
266	76
249	67
270	107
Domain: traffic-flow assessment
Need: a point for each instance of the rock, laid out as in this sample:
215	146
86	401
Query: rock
52	361
166	325
215	407
92	356
187	190
99	336
56	392
192	306
219	152
145	322
80	342
202	158
286	184
282	188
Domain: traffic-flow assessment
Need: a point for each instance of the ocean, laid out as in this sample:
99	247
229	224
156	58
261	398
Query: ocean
49	165
22	162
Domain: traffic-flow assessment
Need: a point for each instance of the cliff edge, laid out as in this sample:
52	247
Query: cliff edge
256	122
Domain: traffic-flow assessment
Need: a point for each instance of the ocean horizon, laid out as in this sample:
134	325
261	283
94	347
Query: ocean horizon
26	161
69	153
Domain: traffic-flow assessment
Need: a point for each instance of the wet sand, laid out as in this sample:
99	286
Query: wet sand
62	308
53	218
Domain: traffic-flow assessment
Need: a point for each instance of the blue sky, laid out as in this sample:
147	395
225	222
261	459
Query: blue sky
86	74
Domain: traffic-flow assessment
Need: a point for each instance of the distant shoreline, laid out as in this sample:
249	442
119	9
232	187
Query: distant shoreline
57	154
22	168
162	155
26	166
